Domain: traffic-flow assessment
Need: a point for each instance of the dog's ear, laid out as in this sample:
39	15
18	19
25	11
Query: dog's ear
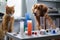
35	6
43	8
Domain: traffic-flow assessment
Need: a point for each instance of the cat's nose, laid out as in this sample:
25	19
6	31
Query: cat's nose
13	12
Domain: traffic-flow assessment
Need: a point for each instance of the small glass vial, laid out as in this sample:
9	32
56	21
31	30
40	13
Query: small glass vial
29	25
21	28
42	22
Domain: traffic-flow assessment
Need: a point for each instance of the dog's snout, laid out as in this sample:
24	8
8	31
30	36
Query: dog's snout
35	11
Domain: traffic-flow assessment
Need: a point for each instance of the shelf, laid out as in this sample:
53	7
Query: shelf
19	19
47	1
54	15
0	19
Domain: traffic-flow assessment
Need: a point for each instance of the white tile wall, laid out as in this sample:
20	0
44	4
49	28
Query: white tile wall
2	7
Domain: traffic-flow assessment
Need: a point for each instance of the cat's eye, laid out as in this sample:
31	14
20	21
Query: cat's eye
13	11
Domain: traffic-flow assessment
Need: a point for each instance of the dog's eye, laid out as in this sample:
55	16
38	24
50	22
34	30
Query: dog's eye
38	8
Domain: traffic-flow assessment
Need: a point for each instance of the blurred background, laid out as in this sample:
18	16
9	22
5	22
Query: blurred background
24	6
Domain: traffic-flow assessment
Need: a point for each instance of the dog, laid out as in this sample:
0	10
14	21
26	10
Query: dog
41	10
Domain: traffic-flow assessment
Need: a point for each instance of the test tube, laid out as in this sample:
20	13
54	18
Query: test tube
42	22
21	28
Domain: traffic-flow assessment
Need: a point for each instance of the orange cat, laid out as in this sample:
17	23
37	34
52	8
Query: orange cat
7	22
8	19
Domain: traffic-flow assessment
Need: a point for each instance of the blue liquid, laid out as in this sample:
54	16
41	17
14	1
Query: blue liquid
53	32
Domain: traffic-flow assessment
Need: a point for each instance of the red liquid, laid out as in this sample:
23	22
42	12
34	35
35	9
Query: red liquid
29	28
35	33
32	32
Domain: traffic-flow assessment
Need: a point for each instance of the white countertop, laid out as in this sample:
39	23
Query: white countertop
18	36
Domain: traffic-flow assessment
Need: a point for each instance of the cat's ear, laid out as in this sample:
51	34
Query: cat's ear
12	7
7	9
7	6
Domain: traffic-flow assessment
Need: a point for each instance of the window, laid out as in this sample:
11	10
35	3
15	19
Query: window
18	9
